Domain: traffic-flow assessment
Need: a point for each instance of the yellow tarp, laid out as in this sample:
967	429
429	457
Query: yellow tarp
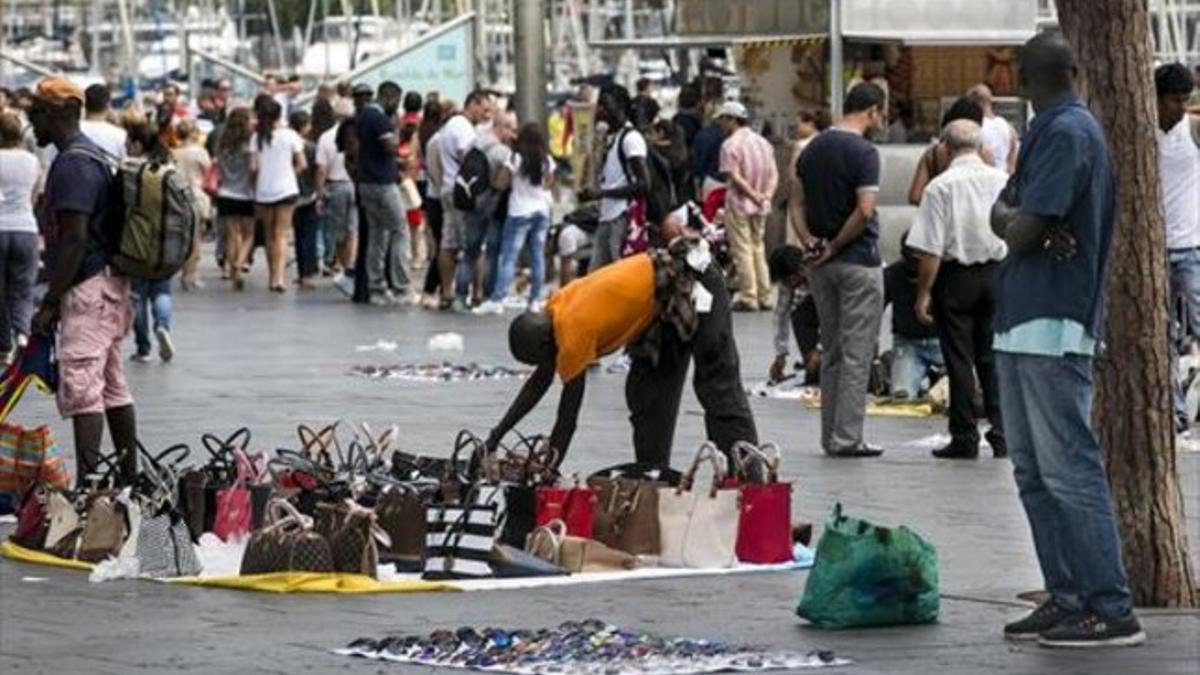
890	409
280	582
20	553
309	582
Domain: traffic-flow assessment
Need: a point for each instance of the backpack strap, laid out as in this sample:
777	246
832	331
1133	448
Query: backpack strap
621	158
110	161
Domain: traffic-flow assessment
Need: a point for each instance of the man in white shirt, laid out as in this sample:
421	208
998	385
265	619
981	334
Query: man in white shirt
624	176
95	124
335	192
959	251
1179	173
457	136
997	135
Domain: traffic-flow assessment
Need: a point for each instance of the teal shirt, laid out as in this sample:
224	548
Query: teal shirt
1046	337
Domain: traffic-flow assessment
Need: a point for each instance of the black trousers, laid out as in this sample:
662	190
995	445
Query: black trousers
362	291
433	218
653	392
964	301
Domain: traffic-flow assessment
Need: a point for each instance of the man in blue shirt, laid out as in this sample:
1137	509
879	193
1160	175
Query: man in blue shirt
835	217
1056	215
379	197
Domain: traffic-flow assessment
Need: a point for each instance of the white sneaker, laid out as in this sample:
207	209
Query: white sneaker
344	284
166	348
515	302
488	307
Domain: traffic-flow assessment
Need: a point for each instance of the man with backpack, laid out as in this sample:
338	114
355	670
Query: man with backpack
483	206
87	299
457	136
624	177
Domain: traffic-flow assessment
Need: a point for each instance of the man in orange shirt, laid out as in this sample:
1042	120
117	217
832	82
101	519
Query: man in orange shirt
630	303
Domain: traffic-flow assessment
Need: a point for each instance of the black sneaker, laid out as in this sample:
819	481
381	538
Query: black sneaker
1086	630
1046	616
956	451
996	440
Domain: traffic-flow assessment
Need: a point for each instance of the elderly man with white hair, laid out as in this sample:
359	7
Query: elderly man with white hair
997	135
959	257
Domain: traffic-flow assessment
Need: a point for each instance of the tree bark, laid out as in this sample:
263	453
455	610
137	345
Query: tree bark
1133	407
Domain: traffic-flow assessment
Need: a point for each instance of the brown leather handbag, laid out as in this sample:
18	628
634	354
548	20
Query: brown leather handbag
400	511
627	514
104	528
576	554
352	541
288	544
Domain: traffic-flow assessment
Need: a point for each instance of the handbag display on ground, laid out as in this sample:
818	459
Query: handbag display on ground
699	526
63	524
576	554
401	513
765	518
459	536
288	544
353	541
32	521
104	529
235	510
163	542
867	575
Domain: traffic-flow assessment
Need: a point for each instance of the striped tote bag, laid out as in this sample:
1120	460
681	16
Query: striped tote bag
459	535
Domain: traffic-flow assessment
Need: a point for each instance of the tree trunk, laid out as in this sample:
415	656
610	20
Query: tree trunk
1133	407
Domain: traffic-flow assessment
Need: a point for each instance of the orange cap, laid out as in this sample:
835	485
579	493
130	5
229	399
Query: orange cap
58	90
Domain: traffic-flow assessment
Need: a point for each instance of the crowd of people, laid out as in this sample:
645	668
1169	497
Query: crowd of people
371	185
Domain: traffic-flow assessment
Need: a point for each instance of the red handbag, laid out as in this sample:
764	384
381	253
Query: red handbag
234	509
765	518
32	524
575	506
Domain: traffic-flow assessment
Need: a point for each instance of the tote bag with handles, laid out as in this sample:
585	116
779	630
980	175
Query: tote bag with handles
699	526
460	535
765	512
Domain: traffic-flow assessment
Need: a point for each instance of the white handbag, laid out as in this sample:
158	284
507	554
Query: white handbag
699	527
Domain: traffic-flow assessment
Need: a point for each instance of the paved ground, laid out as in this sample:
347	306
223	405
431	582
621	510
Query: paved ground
268	362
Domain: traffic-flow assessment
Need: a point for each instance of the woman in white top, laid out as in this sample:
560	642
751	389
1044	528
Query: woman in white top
19	172
530	174
278	156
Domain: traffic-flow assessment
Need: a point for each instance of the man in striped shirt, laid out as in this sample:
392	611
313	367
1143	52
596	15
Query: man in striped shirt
748	162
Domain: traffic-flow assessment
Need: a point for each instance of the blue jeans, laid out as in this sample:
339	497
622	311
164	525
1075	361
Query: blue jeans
911	361
527	232
147	296
482	230
1184	288
1046	405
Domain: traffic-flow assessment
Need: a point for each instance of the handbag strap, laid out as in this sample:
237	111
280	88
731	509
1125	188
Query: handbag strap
315	444
556	535
707	452
466	439
744	452
380	535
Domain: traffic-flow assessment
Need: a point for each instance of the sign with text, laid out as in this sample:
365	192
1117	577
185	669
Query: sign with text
441	63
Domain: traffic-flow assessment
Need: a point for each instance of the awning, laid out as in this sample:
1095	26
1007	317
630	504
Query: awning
705	41
944	38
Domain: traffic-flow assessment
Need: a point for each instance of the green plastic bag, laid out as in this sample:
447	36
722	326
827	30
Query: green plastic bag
866	575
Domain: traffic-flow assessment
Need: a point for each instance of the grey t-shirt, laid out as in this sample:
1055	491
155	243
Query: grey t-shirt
237	181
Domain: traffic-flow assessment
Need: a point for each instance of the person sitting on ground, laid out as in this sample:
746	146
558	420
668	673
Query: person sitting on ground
618	306
90	306
915	347
795	313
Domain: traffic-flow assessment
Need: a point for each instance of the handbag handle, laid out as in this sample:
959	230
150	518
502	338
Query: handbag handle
353	508
315	444
168	456
222	450
556	532
707	452
768	454
465	439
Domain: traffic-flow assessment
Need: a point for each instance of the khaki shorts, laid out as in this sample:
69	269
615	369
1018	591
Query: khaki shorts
96	317
454	225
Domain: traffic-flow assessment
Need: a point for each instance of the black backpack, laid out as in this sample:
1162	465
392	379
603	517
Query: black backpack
662	195
474	178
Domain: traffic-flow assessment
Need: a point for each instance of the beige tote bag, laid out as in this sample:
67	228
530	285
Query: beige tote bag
699	527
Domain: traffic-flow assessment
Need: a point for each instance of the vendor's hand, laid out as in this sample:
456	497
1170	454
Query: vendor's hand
1059	243
922	309
588	195
776	372
45	318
